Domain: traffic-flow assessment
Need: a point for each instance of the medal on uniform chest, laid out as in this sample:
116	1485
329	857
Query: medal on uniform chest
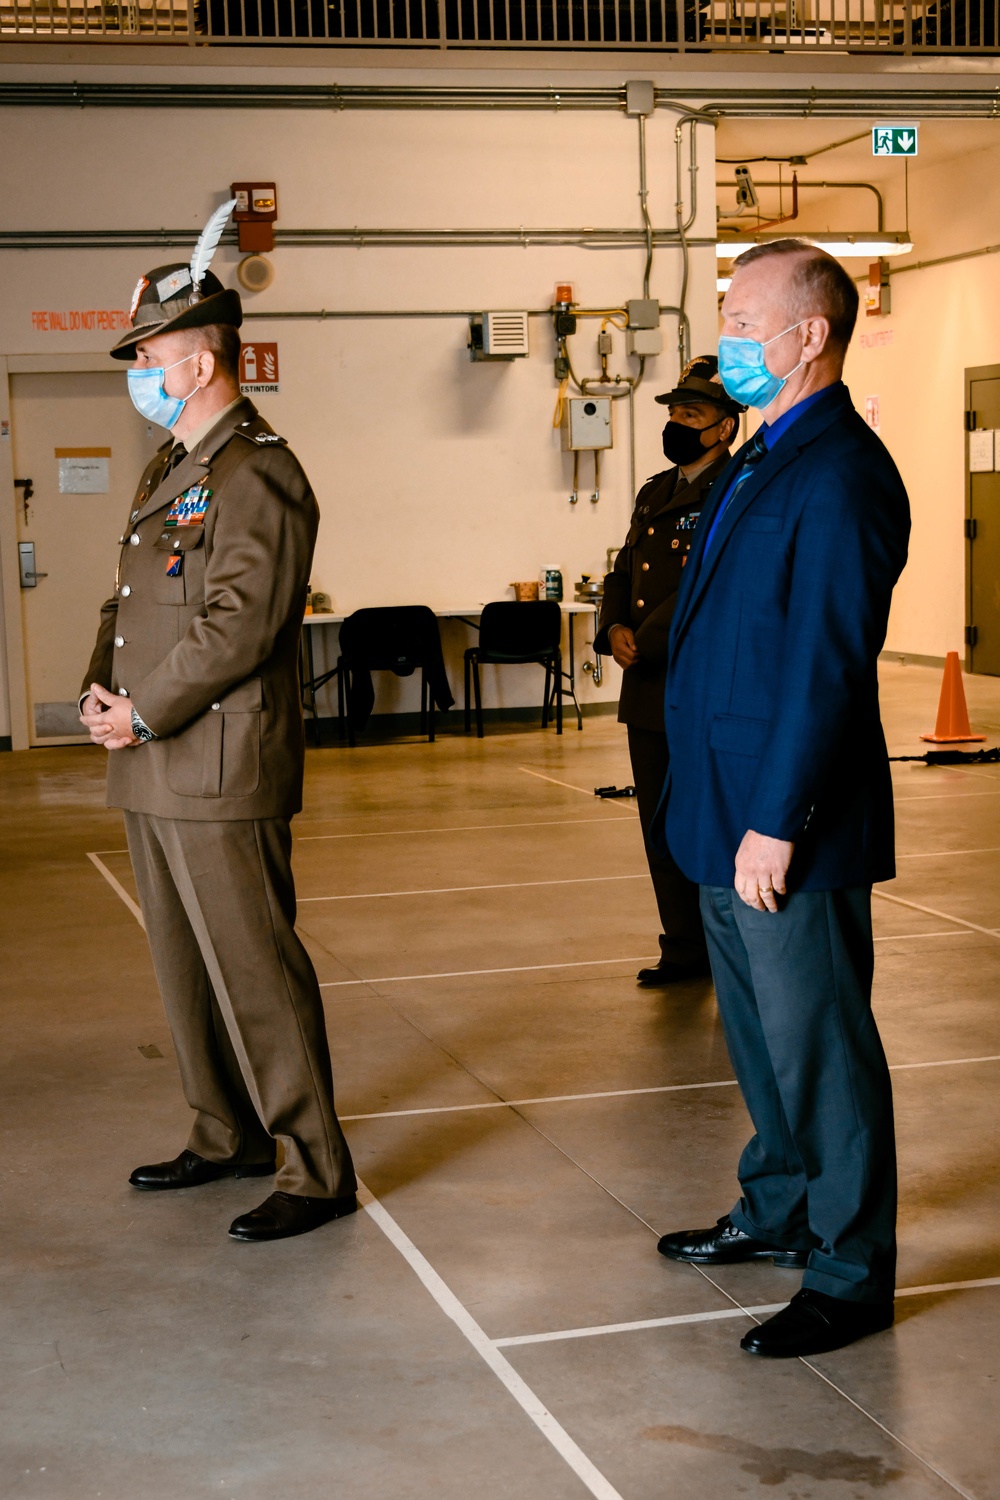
189	509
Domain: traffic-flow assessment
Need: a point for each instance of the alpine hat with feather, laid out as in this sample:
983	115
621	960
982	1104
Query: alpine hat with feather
178	296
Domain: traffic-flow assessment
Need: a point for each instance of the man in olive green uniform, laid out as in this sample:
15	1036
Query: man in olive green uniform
193	688
638	605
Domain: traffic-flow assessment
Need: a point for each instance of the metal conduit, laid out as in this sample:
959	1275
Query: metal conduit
705	106
358	239
868	186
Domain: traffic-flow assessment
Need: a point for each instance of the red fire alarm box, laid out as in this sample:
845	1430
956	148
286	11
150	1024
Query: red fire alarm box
255	213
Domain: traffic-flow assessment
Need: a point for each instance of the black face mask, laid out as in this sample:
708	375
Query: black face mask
683	445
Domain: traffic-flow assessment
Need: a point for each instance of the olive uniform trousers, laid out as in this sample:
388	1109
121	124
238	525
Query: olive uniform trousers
241	995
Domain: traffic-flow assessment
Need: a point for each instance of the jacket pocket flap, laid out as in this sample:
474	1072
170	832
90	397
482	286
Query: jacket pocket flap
180	539
737	735
244	698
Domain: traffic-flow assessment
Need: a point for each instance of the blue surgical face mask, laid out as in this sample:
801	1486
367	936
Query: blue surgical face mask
745	374
145	386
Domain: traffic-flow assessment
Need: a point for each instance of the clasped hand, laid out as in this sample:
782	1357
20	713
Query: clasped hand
107	717
623	648
761	866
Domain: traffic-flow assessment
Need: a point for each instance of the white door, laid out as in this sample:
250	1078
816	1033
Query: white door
83	446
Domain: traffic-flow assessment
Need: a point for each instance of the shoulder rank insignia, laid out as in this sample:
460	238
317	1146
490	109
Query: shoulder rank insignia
189	509
267	437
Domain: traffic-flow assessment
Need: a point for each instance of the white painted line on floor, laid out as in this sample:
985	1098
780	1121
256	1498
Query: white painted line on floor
643	1323
578	963
946	1062
453	890
764	1311
581	963
932	911
572	1454
118	889
661	1088
587	791
457	1109
916	937
948	853
398	833
938	796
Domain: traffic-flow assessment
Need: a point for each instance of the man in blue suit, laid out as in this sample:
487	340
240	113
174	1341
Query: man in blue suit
778	800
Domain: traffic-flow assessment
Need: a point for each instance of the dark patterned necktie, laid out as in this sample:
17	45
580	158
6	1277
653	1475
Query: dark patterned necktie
752	457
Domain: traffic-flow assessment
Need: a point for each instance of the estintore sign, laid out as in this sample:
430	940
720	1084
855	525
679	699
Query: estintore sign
894	140
259	369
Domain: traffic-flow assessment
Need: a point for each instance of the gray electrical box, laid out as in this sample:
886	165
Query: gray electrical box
640	97
586	423
643	312
643	341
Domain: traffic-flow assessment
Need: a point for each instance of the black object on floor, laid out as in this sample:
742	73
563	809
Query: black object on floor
614	791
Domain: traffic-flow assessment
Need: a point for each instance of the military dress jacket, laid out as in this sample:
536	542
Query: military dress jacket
202	631
641	589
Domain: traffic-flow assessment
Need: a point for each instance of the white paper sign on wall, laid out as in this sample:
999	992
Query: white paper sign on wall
83	471
981	451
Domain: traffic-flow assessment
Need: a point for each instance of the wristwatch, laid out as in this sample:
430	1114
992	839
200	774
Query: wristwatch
142	731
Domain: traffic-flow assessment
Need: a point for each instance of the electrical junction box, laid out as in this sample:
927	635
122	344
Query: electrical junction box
586	423
643	312
498	335
640	97
644	341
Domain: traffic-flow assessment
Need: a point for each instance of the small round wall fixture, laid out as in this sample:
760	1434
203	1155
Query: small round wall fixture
255	273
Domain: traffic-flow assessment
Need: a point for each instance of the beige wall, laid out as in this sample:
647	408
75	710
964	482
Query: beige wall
439	481
944	319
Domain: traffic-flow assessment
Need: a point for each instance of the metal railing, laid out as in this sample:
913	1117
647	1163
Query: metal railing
966	27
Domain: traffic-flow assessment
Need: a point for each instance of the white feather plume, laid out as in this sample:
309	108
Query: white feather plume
209	238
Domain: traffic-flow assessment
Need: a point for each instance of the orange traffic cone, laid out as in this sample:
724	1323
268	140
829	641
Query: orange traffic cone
952	725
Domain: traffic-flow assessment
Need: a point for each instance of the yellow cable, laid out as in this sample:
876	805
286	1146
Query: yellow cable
557	415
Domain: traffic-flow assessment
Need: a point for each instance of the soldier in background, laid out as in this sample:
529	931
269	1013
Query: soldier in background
638	605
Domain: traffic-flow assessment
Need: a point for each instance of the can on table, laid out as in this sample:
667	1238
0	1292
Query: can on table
550	583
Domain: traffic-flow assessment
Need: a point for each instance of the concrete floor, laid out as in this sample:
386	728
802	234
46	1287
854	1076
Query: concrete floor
527	1122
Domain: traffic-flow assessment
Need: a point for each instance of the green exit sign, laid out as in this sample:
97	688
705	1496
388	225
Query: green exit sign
894	140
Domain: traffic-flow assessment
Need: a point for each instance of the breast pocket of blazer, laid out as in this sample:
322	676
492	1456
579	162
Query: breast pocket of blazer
180	562
760	524
218	755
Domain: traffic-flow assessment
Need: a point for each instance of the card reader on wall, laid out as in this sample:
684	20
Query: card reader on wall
586	424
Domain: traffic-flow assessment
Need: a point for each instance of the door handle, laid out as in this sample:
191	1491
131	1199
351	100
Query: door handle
26	565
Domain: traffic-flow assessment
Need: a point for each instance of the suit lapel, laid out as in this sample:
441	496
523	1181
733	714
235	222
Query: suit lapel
787	448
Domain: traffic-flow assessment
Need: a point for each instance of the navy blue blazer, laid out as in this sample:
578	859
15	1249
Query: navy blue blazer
772	709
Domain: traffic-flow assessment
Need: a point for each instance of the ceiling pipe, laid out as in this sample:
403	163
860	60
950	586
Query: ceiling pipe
704	106
355	238
869	187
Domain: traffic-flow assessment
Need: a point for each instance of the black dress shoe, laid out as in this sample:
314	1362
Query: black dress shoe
814	1323
725	1245
667	971
285	1214
191	1170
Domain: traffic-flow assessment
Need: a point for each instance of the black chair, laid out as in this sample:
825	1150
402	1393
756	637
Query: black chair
518	632
396	638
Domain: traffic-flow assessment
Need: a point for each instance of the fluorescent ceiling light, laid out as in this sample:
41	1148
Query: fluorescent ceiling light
866	245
